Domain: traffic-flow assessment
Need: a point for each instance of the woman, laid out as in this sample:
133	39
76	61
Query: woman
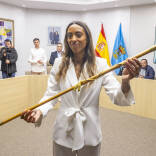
77	126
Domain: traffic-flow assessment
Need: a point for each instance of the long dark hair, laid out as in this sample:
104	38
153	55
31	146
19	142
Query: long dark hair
89	57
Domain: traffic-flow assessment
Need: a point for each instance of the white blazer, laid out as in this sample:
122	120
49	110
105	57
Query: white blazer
77	122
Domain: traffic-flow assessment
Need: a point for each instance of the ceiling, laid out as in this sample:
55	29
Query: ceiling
76	5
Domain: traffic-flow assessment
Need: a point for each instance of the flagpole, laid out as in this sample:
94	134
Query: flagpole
83	82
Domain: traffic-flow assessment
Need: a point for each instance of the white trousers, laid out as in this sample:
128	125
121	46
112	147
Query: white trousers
59	150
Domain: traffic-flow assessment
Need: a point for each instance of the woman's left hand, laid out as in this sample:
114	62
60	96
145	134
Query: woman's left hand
132	68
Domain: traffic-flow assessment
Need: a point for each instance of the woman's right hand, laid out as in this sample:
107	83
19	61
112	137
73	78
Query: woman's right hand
33	116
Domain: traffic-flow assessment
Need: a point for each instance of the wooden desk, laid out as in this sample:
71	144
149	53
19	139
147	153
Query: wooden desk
19	93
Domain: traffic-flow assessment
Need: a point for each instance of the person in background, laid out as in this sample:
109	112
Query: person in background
56	54
77	130
37	59
8	57
146	72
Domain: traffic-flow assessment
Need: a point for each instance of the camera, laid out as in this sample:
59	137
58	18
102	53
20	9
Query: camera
8	50
3	50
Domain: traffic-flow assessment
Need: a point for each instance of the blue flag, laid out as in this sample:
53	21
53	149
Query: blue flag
154	58
119	50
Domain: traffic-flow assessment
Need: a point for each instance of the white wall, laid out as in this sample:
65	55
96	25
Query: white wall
142	30
18	15
137	26
31	23
38	22
111	19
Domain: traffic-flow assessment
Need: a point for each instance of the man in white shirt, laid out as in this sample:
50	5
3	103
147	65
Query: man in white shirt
37	59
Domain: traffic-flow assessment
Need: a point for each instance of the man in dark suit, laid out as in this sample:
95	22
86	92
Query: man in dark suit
56	54
146	72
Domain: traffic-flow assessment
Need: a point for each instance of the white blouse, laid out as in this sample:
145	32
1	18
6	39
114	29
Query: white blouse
77	123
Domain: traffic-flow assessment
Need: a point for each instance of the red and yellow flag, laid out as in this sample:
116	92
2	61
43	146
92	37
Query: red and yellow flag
102	47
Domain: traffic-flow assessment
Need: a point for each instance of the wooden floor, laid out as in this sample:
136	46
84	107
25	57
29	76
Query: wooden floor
123	135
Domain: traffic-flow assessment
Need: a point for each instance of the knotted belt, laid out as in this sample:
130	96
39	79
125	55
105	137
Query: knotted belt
76	119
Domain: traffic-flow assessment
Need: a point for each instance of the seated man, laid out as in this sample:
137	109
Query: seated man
56	54
146	72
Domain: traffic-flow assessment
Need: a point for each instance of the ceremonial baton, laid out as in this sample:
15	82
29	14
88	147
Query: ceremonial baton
83	82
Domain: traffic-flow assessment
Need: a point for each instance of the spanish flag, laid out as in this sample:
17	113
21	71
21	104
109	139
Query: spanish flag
102	47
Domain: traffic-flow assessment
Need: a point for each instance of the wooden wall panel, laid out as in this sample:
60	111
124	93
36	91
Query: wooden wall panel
37	88
19	93
145	95
13	96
